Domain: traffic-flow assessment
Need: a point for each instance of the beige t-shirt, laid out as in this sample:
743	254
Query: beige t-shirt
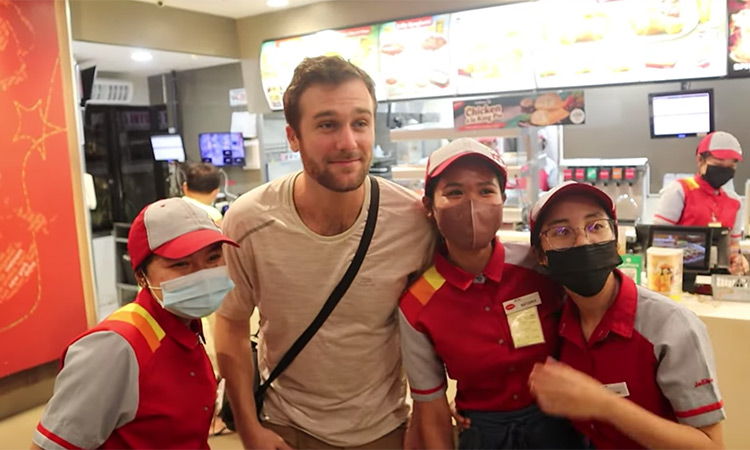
346	387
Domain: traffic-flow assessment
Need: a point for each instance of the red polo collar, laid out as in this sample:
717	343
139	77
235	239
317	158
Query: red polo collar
173	326
619	318
463	279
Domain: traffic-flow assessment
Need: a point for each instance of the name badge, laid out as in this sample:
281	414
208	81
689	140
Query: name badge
620	389
715	224
523	320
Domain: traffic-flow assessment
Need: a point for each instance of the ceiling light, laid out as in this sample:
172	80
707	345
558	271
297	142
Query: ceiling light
277	3
141	56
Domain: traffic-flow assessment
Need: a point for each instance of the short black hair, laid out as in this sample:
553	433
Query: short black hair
203	178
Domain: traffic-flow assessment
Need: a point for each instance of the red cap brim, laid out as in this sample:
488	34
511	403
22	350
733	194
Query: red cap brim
189	243
726	154
570	189
447	163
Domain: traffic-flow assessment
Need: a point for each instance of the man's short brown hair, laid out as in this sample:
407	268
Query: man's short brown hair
202	178
327	70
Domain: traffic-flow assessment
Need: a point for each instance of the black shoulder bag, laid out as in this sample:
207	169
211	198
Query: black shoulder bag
325	311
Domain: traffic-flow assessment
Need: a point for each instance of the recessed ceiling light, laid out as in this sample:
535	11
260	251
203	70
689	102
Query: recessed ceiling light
141	56
277	3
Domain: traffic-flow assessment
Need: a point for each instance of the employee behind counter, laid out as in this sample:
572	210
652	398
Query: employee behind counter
701	200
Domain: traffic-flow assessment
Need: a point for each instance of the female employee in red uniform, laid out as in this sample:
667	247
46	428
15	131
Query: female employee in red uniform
482	312
141	378
652	355
700	200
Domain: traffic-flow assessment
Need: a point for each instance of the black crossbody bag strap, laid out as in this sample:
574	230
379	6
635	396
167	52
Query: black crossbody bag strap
333	299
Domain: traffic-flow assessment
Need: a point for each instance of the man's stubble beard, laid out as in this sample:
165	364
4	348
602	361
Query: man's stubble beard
322	174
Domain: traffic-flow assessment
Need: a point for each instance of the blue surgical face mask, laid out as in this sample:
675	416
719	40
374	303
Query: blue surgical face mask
197	294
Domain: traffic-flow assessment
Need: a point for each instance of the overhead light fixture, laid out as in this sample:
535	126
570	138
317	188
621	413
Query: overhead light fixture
141	56
277	3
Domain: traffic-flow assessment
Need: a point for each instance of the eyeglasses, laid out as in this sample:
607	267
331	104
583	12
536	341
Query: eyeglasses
564	237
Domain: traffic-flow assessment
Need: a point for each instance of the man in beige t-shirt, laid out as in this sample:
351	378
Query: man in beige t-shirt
297	236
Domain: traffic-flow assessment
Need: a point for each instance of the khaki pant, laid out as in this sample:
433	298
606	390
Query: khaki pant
302	441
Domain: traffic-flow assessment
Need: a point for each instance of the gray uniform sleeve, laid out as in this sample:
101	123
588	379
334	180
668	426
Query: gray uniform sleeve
687	372
95	393
424	368
671	203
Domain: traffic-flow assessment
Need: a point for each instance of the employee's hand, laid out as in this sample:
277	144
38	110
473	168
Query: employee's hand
412	437
563	391
264	439
739	264
463	423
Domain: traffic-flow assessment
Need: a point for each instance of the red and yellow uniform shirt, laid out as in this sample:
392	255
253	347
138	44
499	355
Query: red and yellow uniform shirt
651	350
693	202
139	379
455	321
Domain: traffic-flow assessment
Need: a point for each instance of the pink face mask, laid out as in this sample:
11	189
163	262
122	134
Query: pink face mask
471	224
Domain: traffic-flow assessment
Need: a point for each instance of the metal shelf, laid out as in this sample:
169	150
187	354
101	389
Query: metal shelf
426	133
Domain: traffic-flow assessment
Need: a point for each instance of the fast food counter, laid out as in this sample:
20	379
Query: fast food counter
728	324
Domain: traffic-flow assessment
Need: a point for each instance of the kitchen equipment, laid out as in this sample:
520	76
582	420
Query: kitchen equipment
625	180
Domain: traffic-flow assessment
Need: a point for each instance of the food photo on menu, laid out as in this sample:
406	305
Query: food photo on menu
610	42
415	58
552	108
739	36
491	51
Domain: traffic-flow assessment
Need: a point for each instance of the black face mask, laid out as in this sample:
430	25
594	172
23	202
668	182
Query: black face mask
718	176
584	269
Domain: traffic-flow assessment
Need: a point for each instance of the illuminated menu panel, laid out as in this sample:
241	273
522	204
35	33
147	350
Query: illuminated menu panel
490	50
548	44
590	42
277	62
415	58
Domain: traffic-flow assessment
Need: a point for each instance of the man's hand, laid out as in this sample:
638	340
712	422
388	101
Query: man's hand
261	438
739	264
563	391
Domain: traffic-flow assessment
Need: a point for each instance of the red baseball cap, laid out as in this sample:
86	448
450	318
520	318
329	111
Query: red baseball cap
446	155
721	145
172	228
567	188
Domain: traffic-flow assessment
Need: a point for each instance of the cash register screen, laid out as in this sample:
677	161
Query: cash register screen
696	244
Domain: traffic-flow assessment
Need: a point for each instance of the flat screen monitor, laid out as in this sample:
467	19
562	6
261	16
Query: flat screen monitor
681	114
222	149
168	147
695	241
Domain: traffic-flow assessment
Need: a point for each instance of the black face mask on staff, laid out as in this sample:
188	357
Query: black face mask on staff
584	269
718	176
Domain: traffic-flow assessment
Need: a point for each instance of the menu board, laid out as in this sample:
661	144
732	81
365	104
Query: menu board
278	60
547	44
490	49
739	39
415	58
551	108
590	42
357	45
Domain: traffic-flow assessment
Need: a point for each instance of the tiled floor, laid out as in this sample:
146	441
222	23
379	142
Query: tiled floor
16	431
